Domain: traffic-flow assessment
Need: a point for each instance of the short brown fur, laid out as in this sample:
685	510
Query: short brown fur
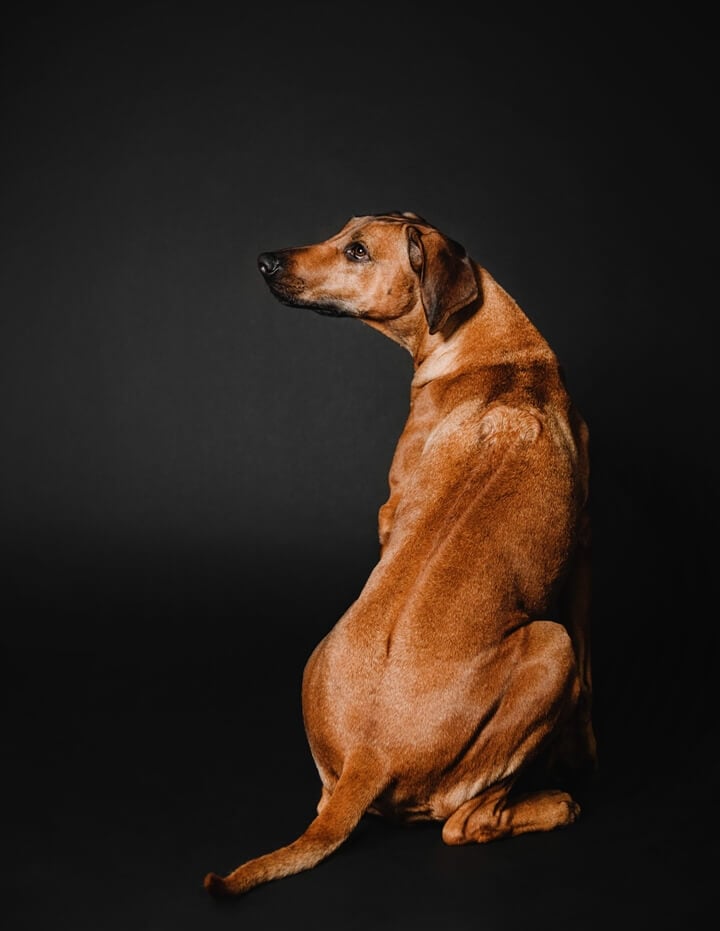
465	661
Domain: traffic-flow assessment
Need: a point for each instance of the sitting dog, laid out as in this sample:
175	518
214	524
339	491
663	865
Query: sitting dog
464	663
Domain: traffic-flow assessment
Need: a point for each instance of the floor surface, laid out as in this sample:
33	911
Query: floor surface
138	762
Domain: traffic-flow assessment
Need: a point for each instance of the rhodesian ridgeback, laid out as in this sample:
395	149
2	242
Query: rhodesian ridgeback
464	664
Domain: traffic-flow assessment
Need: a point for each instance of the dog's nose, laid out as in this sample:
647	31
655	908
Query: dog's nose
268	263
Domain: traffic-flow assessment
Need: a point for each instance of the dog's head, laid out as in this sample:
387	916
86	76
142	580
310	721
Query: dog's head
378	268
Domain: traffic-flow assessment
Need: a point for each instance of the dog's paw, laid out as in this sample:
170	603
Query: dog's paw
569	810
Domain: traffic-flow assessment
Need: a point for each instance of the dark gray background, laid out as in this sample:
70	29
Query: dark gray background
191	472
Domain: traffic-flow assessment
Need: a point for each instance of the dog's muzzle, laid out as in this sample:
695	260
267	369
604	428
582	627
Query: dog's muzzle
277	270
268	263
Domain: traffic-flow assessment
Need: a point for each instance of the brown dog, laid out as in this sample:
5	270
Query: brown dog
465	659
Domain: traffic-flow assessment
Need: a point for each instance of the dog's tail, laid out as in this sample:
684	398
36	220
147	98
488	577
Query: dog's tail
359	785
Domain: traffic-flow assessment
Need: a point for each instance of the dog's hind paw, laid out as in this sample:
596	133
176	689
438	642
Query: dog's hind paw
573	811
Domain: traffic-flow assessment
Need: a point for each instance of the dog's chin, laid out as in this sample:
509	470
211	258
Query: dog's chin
326	308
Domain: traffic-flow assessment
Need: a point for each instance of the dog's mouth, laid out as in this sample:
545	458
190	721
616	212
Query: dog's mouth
290	291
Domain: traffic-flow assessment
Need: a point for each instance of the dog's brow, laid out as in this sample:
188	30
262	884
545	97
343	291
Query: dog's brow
371	222
353	229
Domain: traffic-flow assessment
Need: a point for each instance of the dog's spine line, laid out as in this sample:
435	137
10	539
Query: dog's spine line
358	786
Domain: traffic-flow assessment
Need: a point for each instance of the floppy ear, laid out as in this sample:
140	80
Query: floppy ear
447	279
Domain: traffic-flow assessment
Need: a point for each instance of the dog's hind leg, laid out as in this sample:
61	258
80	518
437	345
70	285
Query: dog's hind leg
541	691
492	815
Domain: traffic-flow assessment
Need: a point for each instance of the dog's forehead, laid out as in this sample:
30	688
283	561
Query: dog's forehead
379	223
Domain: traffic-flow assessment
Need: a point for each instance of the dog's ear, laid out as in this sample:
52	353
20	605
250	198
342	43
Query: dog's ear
447	279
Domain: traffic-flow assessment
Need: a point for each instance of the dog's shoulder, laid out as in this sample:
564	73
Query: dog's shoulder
513	422
473	424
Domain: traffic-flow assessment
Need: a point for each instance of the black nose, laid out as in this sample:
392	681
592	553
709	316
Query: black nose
268	263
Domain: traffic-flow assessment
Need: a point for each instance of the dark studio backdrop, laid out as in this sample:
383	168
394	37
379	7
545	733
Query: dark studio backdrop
191	471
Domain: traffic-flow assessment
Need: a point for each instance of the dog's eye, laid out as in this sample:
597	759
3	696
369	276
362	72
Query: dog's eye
357	252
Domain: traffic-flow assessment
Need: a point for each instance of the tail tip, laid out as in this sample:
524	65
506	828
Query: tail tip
215	885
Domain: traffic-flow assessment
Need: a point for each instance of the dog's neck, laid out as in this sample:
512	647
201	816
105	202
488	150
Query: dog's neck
491	325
